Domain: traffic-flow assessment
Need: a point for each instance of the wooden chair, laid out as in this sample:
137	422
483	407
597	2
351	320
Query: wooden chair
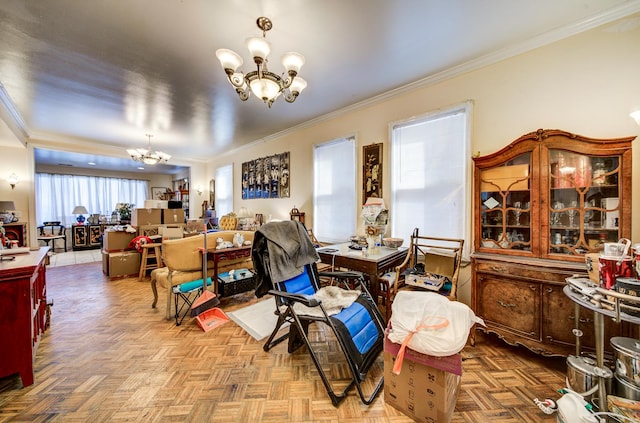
435	258
50	233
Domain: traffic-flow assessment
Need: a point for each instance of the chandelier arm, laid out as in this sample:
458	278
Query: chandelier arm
290	97
243	94
236	79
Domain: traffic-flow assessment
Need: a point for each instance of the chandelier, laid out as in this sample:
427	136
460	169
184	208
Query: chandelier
147	156
261	82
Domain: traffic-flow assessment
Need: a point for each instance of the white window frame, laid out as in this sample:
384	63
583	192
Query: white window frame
461	199
334	216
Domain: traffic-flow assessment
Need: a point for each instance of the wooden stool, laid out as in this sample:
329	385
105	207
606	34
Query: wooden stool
156	255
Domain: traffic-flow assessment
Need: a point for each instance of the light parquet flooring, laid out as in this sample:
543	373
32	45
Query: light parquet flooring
109	357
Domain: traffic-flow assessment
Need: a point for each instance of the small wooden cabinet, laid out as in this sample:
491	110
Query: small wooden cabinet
86	237
23	302
541	204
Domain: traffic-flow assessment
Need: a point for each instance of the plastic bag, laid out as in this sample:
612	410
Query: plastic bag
430	323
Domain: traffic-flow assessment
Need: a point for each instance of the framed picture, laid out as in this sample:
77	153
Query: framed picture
157	193
372	171
266	177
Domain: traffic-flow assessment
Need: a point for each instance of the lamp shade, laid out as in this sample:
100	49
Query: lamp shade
7	206
80	210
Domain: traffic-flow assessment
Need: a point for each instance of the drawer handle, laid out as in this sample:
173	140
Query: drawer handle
581	320
505	305
498	269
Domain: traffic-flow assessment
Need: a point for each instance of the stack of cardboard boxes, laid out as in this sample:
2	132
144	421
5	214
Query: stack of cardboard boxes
426	388
119	259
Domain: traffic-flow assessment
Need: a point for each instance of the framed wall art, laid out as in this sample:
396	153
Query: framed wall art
372	171
266	177
157	193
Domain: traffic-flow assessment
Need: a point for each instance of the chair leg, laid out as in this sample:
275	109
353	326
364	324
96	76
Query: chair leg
282	318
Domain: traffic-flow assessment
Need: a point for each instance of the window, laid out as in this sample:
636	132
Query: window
98	194
224	190
429	188
334	190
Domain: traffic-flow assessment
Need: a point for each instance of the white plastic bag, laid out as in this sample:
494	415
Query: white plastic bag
434	325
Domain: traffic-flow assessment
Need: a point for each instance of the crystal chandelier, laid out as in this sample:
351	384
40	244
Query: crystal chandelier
147	156
261	82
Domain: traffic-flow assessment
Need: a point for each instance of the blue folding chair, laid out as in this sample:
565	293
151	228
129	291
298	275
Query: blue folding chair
359	328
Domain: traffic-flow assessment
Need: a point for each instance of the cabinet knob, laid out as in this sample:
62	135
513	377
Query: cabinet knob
498	269
505	305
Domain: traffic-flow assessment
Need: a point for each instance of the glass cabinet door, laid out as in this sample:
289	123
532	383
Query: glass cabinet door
583	207
505	205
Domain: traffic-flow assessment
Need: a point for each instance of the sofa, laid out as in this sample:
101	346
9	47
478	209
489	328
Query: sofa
183	263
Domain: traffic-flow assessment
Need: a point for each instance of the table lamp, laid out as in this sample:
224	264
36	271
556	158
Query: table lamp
80	210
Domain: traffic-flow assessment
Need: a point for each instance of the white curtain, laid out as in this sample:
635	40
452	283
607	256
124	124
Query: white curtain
334	190
430	157
58	195
224	190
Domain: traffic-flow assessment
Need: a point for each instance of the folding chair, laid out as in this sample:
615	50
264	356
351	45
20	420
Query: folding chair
188	292
358	328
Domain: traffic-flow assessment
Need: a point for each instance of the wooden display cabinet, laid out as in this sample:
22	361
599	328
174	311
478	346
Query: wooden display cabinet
540	204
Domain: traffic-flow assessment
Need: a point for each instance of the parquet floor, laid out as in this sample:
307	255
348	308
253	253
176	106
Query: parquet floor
109	357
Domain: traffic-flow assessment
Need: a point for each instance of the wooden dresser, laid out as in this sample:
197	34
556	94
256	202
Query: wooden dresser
23	303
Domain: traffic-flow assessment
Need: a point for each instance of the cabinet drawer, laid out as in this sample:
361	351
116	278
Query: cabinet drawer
509	304
558	323
531	272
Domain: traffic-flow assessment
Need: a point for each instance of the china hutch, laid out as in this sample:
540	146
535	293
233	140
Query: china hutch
540	204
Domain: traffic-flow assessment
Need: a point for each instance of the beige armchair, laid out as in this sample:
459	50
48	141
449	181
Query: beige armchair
228	222
183	263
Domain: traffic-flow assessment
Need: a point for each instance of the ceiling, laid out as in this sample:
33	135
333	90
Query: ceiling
78	74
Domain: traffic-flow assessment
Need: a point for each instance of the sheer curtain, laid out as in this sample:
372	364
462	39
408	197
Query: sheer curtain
57	195
334	190
429	175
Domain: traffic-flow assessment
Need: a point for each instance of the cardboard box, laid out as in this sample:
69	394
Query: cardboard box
105	263
503	178
141	217
156	204
114	241
426	388
121	264
172	216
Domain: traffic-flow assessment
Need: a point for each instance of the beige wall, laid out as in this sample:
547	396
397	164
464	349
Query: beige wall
586	84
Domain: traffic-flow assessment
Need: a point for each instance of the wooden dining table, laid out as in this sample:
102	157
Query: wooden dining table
371	264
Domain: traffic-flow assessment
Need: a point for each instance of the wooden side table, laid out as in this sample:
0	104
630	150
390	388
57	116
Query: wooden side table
155	255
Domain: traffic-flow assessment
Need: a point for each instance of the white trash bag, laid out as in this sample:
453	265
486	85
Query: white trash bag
431	323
